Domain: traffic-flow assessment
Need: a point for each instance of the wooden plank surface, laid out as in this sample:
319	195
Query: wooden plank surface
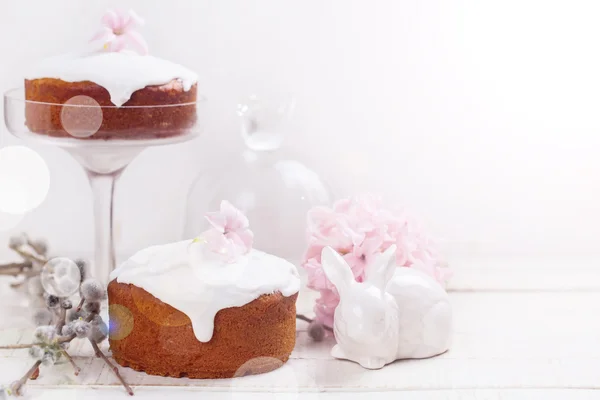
185	393
503	342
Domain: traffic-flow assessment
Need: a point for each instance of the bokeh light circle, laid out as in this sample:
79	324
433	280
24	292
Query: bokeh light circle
61	277
81	116
121	322
280	372
258	365
24	179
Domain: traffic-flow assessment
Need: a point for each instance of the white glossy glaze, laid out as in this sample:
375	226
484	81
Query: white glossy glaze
396	313
182	275
120	73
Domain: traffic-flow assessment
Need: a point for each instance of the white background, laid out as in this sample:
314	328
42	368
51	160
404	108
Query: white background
481	115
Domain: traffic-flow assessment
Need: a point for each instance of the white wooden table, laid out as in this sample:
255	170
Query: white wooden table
523	343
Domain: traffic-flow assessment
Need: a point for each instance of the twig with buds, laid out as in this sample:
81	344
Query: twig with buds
114	369
76	368
17	386
15	269
316	330
59	323
29	255
34	254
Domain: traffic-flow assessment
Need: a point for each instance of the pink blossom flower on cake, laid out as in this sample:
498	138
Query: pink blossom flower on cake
360	228
118	32
229	236
233	224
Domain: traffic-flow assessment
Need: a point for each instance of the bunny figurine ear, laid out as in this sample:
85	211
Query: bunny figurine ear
337	269
381	270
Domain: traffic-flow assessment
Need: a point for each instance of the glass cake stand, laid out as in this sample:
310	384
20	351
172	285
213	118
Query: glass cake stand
72	126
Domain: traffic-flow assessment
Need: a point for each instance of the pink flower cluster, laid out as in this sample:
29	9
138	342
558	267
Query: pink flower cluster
359	228
230	235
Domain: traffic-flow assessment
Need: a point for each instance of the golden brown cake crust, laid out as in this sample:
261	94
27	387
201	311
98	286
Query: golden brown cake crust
117	122
149	335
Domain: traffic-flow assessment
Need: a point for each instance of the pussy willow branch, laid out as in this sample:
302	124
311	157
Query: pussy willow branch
14	269
17	346
18	284
306	319
78	308
36	374
29	256
70	359
101	355
59	340
62	316
115	370
19	384
34	246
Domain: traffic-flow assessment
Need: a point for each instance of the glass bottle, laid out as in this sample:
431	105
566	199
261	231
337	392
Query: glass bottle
274	190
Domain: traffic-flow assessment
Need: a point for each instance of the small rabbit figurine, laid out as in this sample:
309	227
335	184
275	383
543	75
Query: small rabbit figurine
396	313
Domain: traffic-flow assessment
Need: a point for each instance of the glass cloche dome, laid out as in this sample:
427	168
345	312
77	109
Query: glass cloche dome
274	190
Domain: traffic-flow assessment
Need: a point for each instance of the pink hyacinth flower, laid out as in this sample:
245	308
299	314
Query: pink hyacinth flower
232	224
317	279
325	306
359	228
220	247
229	236
118	32
362	255
324	229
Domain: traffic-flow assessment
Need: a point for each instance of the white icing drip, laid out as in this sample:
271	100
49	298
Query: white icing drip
120	73
181	275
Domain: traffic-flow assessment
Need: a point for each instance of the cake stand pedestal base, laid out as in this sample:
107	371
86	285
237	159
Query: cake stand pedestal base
104	161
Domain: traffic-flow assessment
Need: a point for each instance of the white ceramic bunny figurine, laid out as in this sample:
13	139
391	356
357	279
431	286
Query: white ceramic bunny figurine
396	313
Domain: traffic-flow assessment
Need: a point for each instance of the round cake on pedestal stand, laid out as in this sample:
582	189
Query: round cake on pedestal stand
103	159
